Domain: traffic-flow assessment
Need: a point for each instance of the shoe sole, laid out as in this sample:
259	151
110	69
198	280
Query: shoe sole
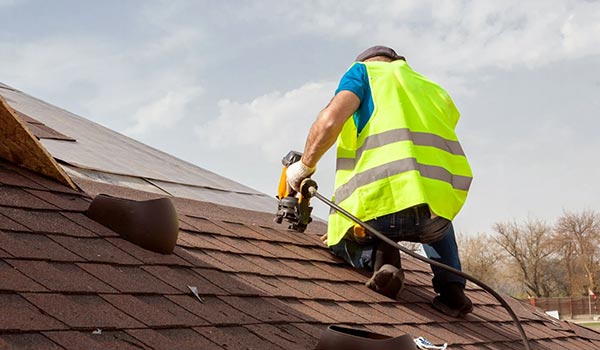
443	308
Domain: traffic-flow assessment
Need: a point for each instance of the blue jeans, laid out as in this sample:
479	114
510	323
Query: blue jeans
413	225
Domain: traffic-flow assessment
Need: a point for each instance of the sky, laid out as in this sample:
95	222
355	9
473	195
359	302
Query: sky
232	86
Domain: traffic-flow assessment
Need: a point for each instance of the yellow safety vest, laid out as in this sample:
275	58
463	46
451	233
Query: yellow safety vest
407	154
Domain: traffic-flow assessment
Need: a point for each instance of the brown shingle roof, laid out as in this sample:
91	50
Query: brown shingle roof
64	277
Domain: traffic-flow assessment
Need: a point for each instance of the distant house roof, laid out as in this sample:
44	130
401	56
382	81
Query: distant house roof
67	282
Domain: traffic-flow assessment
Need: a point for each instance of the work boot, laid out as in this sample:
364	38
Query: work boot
388	281
452	301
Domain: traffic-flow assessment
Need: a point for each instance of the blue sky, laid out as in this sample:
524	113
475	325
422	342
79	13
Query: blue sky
233	85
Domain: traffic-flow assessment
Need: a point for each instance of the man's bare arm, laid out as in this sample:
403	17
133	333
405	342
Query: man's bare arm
328	126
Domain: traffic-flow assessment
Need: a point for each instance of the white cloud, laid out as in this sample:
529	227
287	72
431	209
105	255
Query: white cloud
164	112
581	31
273	122
124	88
176	39
463	35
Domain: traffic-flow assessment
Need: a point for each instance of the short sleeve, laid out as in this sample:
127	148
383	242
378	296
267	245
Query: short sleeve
355	80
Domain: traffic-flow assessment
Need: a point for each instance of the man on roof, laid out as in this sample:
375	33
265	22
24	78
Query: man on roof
400	168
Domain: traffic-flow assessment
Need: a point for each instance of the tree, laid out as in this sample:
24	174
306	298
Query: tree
529	248
481	258
579	236
573	280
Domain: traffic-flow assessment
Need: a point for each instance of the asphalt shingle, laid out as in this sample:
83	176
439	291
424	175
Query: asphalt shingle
34	246
182	278
261	309
27	341
12	279
82	311
9	224
18	315
154	310
96	250
47	222
98	340
61	277
213	310
127	279
174	338
235	338
71	202
21	198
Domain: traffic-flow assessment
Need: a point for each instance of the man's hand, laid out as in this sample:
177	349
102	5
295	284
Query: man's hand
297	172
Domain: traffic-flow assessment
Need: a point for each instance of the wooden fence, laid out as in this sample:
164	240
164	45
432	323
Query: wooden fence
571	307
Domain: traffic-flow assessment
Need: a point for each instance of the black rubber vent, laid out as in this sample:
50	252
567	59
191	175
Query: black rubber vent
151	224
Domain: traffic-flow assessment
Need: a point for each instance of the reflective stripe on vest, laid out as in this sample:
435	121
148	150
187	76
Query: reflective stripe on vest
397	167
390	136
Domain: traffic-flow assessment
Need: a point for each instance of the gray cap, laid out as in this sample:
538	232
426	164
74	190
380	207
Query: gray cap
379	50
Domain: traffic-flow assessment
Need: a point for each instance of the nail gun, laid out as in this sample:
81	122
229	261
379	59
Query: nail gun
293	206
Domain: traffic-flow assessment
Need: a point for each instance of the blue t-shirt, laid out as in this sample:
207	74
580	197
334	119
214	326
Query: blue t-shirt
356	81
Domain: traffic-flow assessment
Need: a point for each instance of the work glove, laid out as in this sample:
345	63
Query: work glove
297	172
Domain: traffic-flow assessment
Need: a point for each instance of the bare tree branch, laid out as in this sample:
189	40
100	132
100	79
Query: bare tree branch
482	258
579	233
528	245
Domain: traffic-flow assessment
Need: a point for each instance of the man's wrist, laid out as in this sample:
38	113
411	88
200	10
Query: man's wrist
307	165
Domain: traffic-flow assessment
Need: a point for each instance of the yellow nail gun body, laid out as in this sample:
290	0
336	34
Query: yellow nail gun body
292	206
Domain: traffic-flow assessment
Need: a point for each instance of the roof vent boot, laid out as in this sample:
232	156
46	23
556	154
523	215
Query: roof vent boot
151	224
344	338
